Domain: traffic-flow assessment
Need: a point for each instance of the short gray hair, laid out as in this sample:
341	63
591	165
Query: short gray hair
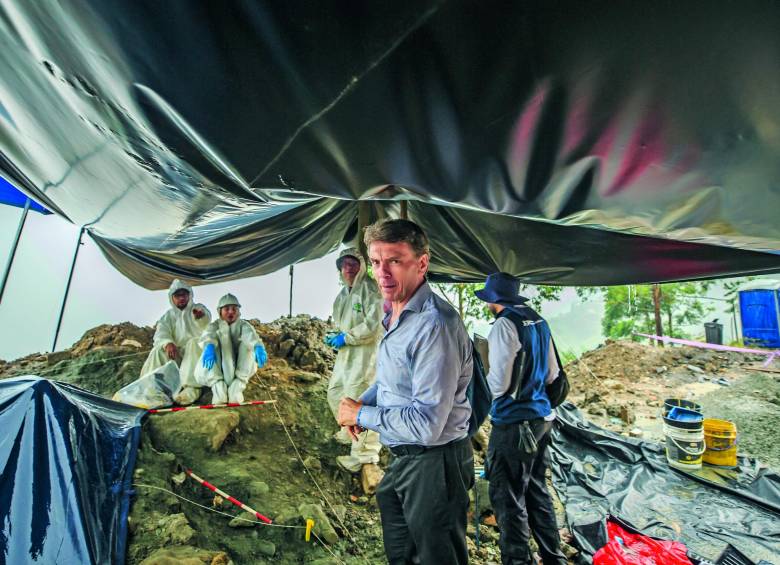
398	231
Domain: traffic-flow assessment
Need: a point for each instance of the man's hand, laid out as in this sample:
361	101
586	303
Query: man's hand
354	431
171	351
198	313
348	411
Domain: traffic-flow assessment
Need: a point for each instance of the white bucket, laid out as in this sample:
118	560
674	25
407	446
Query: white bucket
684	447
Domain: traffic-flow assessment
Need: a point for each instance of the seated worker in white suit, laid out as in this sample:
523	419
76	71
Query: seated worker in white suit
232	353
176	339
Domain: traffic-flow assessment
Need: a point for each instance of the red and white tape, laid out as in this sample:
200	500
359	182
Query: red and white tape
226	496
210	406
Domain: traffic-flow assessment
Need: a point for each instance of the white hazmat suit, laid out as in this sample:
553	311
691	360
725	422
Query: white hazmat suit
235	350
183	329
357	312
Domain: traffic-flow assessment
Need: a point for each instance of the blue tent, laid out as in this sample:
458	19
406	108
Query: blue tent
759	306
12	196
66	466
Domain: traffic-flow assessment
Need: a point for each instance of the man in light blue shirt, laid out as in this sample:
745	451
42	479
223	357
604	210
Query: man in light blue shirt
418	405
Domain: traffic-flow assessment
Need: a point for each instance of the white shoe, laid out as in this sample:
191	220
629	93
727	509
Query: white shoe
219	393
349	463
236	391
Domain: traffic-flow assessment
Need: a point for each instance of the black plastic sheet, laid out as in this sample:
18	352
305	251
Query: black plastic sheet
66	465
598	473
612	142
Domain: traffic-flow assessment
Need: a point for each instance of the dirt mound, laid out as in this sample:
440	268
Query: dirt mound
623	384
120	335
299	341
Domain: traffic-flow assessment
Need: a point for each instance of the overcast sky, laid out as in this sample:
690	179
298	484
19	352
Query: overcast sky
101	295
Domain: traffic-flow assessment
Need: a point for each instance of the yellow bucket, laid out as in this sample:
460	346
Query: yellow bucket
720	437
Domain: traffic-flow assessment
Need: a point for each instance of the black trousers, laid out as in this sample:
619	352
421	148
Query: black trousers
519	496
423	501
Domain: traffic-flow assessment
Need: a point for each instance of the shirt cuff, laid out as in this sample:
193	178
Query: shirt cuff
368	417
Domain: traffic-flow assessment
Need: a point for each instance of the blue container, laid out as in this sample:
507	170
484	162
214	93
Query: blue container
759	309
680	414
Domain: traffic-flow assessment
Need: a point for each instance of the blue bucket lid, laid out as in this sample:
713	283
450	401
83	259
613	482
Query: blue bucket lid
681	414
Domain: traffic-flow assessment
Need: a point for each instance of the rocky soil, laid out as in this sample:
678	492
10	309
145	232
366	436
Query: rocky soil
622	386
248	453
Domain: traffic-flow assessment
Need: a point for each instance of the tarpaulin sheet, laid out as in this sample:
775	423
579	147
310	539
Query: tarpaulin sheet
66	465
598	473
565	142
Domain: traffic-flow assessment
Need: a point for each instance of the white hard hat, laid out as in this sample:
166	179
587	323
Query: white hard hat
228	300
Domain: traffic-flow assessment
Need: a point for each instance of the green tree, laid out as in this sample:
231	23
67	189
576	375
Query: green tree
629	309
461	296
471	308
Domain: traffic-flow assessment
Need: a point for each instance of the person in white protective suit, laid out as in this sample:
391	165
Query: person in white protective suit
357	313
176	339
232	353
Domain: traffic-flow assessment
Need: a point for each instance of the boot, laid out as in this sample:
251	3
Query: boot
219	393
236	391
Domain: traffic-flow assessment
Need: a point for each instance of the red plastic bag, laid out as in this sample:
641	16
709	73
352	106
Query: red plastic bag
625	548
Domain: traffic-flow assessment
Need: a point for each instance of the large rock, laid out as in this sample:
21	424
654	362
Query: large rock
175	528
322	526
370	477
193	431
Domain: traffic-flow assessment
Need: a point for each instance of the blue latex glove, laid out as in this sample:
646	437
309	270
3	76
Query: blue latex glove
338	341
260	355
209	356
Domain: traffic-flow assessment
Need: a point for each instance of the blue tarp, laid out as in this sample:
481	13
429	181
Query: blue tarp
760	317
66	466
12	196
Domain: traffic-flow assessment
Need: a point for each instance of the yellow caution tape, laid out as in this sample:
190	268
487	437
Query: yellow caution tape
309	526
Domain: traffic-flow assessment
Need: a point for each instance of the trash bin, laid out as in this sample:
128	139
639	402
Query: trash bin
713	332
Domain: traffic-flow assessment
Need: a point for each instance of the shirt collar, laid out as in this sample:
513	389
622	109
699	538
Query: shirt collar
417	300
415	304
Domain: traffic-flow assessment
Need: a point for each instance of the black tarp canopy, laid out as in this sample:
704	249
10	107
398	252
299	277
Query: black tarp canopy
566	142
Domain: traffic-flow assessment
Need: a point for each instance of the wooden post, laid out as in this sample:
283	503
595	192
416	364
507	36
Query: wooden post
659	330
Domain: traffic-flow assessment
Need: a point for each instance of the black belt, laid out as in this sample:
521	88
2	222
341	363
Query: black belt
411	449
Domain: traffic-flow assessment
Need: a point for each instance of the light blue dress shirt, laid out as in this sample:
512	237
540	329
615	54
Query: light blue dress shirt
423	368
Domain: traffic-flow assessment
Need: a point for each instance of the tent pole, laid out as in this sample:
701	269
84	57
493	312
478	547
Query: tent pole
292	277
14	247
67	290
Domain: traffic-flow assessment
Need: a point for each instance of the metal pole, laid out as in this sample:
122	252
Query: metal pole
14	248
67	290
292	277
